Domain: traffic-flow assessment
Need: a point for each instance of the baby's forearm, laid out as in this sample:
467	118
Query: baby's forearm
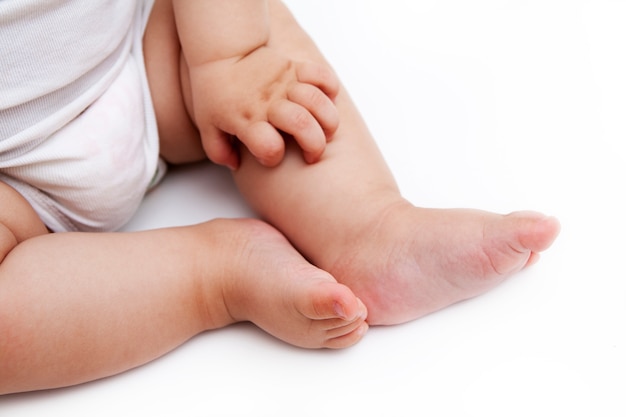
212	30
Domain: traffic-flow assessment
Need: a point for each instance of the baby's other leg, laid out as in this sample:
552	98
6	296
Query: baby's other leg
76	306
346	215
179	139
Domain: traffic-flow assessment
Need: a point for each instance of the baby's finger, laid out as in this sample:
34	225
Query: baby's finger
264	143
295	120
219	148
318	104
320	76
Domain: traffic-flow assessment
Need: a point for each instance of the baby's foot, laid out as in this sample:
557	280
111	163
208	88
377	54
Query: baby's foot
414	261
267	282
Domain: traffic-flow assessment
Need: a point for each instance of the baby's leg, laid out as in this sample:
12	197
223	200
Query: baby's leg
76	306
346	215
179	139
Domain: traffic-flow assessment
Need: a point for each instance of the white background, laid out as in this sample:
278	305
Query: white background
491	104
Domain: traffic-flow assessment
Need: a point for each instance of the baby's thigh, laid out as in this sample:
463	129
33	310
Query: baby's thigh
18	220
179	139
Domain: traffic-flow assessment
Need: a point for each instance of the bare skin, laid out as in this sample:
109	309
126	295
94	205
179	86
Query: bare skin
255	91
110	302
81	306
75	307
409	261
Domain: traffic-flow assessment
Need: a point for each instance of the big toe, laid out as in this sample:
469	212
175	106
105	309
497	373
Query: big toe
331	300
514	241
532	231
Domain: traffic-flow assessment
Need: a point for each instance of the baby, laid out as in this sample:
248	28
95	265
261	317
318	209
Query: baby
239	82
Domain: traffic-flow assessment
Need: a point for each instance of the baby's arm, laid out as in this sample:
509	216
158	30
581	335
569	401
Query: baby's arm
243	88
212	30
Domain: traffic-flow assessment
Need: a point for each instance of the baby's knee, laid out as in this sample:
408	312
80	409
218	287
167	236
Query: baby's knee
18	220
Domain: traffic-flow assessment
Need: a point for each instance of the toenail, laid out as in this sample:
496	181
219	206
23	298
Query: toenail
340	311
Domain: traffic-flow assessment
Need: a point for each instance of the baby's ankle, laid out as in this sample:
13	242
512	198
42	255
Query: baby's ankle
358	226
217	264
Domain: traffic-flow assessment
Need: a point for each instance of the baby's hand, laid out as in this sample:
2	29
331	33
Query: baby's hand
258	98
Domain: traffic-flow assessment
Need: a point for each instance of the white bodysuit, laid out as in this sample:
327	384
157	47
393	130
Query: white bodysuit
78	136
